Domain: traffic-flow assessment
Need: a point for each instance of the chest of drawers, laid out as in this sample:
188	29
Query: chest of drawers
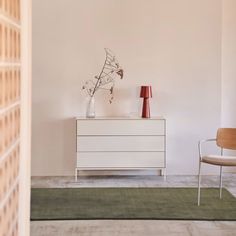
120	144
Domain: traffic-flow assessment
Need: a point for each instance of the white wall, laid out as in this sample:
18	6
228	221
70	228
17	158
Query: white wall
174	45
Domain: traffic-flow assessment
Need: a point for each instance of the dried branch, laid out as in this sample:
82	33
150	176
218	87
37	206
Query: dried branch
107	76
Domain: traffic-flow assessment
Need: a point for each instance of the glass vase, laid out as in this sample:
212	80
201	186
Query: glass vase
90	112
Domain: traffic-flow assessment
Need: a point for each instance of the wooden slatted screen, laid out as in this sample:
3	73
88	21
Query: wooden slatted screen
10	83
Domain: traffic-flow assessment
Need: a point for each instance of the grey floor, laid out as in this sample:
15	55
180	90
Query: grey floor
133	227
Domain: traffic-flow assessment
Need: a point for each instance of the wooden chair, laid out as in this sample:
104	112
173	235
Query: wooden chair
225	139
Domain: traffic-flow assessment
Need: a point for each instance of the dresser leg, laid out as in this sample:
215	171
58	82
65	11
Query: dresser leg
163	173
76	174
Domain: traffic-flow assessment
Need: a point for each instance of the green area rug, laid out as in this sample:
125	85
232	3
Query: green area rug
131	203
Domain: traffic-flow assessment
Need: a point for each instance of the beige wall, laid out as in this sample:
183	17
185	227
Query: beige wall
174	45
229	63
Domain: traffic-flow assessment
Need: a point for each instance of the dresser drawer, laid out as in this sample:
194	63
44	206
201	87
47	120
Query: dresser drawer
121	160
120	143
121	127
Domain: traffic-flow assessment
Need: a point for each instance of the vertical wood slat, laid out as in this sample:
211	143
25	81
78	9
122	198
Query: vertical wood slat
1	40
10	9
9	171
9	86
1	4
11	127
10	81
10	43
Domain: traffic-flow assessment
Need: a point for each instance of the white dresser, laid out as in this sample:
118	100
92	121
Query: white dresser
120	143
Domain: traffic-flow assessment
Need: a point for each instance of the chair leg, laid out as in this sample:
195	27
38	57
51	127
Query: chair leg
220	182
199	184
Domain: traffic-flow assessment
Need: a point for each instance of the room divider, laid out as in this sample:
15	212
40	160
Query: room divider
10	110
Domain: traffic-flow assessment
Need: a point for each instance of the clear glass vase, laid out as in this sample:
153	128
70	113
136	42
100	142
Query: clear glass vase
90	112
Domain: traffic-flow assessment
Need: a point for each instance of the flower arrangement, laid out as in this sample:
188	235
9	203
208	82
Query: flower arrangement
106	79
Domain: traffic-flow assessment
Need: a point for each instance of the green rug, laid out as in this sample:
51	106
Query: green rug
131	203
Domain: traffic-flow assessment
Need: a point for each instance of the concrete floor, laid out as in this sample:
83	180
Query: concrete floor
133	227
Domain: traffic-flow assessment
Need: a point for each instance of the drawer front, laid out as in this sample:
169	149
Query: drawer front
121	160
121	127
120	143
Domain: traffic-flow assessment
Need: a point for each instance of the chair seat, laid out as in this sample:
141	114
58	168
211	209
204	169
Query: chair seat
220	160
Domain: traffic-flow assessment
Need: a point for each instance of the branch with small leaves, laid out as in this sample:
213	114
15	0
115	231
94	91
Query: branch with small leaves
106	79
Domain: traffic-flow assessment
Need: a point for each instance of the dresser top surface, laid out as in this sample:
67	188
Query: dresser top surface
119	118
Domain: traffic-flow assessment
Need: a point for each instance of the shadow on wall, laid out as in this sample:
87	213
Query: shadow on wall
69	145
125	99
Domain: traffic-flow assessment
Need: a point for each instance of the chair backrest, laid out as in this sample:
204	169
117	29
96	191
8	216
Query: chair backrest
226	138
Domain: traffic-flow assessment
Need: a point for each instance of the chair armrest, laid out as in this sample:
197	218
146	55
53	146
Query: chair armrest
200	145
